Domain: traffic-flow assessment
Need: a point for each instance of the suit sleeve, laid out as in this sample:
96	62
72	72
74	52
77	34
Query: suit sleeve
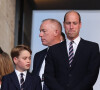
4	85
93	70
49	74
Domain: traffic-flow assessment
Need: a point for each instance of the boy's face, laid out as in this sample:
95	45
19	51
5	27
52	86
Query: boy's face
23	61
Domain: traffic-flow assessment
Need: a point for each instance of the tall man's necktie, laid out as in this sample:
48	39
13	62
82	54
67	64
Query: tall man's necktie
71	53
21	81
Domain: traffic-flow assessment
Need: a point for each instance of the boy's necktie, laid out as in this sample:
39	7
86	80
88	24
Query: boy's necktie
21	81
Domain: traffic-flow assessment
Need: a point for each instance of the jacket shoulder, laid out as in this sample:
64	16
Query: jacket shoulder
89	43
42	51
7	77
59	45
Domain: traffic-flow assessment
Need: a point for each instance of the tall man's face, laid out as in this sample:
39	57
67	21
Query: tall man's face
72	25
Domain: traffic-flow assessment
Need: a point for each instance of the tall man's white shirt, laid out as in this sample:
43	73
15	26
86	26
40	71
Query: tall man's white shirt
75	44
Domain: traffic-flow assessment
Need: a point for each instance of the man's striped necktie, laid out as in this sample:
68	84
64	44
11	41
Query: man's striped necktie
21	81
71	53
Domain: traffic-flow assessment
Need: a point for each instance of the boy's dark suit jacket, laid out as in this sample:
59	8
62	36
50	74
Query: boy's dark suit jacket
83	73
10	82
38	60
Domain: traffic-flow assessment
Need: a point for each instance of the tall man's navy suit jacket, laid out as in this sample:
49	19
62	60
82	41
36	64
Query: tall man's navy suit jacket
84	70
10	82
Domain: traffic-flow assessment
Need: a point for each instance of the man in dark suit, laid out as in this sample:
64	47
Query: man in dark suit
21	79
39	57
75	65
50	33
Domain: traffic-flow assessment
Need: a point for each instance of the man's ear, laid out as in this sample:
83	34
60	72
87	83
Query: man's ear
80	24
64	24
56	32
15	59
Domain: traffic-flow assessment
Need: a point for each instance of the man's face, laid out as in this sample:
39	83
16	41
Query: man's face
23	62
72	25
47	33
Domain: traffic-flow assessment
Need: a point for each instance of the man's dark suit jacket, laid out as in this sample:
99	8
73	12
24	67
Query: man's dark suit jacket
83	73
10	82
38	60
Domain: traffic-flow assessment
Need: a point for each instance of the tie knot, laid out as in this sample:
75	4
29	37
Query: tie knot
21	74
71	42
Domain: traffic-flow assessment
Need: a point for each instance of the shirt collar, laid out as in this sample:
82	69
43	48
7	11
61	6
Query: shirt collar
76	41
18	72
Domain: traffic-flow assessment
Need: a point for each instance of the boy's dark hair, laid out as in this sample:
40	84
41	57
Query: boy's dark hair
15	52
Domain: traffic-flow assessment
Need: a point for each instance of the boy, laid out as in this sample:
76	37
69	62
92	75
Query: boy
21	79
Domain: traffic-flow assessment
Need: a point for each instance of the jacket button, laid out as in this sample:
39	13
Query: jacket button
70	75
67	85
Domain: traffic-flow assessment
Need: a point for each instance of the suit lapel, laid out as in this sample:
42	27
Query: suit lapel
65	53
77	53
15	80
43	54
27	81
41	59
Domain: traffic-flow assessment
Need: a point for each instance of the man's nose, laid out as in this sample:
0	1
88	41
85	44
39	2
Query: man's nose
41	34
71	25
28	60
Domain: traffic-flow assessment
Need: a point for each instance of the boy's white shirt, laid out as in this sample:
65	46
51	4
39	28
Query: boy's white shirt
18	74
